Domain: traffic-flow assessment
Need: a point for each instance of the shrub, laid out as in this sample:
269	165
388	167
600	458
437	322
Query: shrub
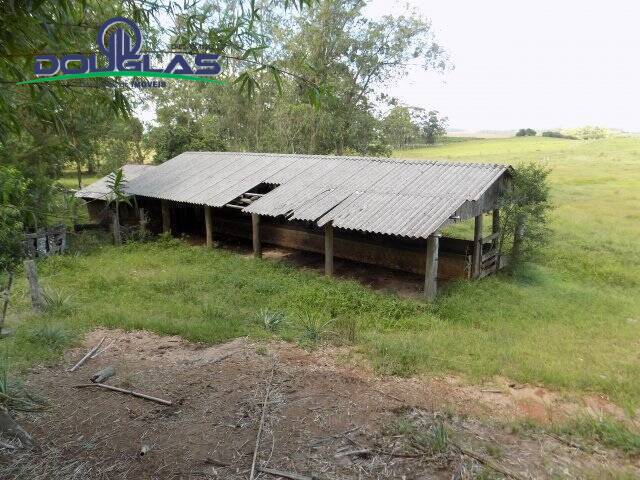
313	328
525	208
588	132
270	320
554	134
526	132
13	395
55	302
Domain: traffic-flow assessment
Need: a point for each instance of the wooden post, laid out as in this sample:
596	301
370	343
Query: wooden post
431	270
37	300
477	248
142	218
6	295
255	225
208	222
166	216
328	249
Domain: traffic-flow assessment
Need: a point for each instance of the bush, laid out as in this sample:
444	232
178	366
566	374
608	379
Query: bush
526	132
553	134
13	191
270	320
526	204
588	133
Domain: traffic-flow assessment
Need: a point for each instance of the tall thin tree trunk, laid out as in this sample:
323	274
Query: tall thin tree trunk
79	173
139	153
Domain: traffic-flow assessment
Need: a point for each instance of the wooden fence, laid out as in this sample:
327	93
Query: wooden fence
46	242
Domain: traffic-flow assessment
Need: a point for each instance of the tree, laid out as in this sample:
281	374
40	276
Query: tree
332	45
399	128
432	125
526	132
13	209
116	184
44	127
588	133
525	209
352	57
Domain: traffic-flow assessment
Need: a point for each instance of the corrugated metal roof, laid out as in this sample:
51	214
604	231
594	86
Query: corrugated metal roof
380	195
100	191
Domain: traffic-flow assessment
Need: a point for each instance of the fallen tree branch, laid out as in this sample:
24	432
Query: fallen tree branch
283	474
87	356
487	461
264	409
269	471
128	392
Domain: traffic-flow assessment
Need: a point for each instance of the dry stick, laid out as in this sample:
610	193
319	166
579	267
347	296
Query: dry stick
87	356
264	409
269	471
98	352
283	474
129	392
487	462
8	446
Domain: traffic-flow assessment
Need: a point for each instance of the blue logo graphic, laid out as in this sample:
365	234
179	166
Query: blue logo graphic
122	52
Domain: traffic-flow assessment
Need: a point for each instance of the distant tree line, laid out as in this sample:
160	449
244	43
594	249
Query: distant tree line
581	133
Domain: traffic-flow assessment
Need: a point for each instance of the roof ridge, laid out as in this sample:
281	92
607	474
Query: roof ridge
354	158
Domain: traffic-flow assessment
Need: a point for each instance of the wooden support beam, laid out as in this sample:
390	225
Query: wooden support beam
255	226
328	250
431	272
208	221
166	216
477	248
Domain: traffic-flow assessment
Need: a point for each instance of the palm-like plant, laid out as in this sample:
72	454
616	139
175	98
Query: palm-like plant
117	184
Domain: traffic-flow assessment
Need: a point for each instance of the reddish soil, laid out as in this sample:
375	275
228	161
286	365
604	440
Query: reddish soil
325	418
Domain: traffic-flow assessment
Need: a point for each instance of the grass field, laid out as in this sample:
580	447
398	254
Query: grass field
571	323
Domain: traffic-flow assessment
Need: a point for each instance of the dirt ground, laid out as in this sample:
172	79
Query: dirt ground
325	417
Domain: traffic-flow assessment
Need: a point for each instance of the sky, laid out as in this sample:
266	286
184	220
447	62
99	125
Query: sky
547	64
543	64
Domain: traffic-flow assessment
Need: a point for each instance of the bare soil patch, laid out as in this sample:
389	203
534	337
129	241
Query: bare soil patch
324	418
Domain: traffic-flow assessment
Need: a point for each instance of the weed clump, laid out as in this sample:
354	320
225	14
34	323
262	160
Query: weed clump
270	320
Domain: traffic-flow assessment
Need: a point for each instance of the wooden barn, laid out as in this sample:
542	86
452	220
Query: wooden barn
377	211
